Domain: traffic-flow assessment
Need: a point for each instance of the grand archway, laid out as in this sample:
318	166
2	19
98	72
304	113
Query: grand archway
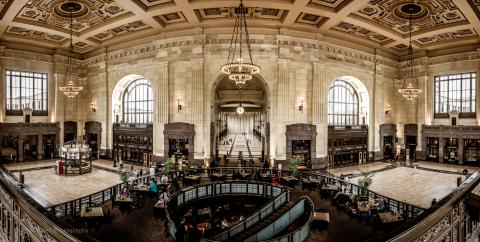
236	137
348	112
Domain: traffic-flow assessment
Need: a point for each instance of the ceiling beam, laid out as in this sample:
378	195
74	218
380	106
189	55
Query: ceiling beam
10	14
295	11
469	13
188	11
344	12
140	14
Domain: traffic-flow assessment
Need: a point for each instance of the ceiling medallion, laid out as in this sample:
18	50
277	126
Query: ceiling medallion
409	91
411	11
76	9
238	68
71	90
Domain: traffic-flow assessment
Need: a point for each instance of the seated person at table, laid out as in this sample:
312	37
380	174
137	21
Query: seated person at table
165	196
164	178
125	192
224	223
131	186
153	187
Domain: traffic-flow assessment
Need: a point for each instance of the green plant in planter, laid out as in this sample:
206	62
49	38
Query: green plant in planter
168	166
294	165
125	174
366	180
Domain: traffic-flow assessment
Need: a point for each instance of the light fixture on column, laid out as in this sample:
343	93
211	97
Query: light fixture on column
93	107
409	91
71	89
388	108
238	68
300	107
179	105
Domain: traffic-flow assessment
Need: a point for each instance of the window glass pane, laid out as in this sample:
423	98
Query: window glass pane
455	92
138	102
342	104
26	89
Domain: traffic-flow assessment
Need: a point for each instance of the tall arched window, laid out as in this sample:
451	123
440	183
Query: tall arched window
138	102
342	104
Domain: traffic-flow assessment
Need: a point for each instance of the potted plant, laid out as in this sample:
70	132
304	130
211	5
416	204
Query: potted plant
124	175
365	181
294	165
168	166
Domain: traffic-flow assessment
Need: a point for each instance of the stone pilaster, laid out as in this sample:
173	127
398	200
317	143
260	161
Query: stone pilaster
3	85
39	146
460	151
194	75
283	110
161	93
20	148
319	111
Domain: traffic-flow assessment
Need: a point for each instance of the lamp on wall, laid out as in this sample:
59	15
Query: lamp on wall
300	107
388	108
179	105
93	106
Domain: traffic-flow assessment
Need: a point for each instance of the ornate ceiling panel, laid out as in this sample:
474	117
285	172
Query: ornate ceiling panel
393	15
121	30
37	35
52	13
145	4
170	18
311	19
335	5
262	13
361	32
448	36
384	23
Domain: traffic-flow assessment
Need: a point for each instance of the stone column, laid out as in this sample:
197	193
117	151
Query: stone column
440	149
282	110
161	94
20	148
197	114
460	151
319	117
3	85
39	147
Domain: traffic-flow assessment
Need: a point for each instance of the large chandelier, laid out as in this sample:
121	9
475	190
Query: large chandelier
70	90
409	91
237	68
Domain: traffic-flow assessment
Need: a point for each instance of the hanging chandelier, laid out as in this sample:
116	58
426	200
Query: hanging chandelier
409	91
237	68
70	90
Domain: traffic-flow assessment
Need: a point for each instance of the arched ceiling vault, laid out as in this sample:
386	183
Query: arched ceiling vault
379	23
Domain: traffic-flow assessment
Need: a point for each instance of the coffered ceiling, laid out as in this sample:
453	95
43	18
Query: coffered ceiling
436	24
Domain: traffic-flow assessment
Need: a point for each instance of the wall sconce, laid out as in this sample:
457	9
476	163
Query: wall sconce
300	107
179	105
93	107
388	108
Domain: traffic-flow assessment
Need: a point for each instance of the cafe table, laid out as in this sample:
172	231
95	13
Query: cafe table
91	212
389	217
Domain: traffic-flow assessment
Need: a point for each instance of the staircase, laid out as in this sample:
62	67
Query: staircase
262	224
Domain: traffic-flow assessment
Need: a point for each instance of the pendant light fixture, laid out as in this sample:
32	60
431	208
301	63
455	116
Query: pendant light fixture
70	90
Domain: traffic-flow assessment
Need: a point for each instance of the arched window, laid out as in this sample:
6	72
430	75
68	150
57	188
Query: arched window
342	104
138	102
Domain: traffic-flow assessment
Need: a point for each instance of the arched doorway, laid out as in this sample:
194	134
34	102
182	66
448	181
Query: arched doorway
132	118
348	110
240	137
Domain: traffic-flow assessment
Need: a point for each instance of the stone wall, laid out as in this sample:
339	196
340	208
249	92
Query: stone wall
188	68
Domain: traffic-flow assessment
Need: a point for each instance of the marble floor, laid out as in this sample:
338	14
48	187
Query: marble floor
357	169
415	187
445	167
53	189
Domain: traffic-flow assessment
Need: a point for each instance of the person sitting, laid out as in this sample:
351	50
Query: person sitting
125	192
224	223
434	202
153	187
465	171
164	179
